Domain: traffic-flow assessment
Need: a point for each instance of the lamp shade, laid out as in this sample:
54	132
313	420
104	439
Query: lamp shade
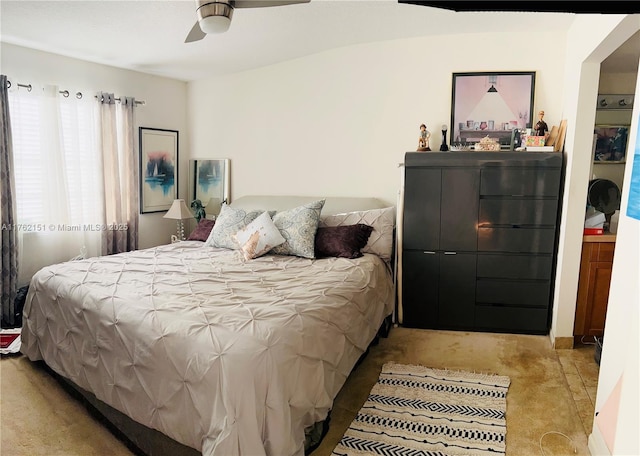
178	211
213	206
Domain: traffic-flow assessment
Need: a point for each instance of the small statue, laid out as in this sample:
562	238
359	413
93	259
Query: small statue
541	128
197	206
423	141
443	146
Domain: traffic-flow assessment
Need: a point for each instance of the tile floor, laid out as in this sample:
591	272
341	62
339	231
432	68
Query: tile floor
581	372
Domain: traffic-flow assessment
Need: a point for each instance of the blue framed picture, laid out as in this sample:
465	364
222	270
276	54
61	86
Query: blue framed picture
633	204
610	143
158	169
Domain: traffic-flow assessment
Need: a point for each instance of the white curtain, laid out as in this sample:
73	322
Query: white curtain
58	175
120	164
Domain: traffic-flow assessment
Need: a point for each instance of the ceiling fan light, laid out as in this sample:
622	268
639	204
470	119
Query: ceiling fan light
215	24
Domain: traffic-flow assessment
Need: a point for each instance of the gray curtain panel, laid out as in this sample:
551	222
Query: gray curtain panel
120	167
9	272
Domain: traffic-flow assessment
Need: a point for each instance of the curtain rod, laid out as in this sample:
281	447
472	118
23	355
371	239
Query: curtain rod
65	93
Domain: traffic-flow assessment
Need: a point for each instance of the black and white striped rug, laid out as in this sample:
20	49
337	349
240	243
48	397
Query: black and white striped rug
416	410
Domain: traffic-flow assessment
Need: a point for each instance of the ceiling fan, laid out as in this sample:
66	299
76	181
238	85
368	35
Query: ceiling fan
214	16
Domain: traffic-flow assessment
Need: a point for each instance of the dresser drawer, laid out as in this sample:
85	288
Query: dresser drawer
516	240
502	211
511	319
517	292
514	266
519	182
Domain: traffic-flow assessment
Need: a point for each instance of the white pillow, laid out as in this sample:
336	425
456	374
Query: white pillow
383	222
258	237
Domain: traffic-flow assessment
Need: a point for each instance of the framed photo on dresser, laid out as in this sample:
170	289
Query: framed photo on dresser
490	104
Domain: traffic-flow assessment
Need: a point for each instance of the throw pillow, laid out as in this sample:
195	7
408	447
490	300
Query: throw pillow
342	241
298	226
202	230
258	237
228	222
383	222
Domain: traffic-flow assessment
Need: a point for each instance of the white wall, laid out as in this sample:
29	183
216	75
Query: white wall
590	40
339	122
166	107
620	357
585	51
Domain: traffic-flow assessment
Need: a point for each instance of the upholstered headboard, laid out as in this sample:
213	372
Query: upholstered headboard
333	204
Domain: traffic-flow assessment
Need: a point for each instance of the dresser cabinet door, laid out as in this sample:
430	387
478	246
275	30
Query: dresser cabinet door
459	210
457	290
422	209
420	289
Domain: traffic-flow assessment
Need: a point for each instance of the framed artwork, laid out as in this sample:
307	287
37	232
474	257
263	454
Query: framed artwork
210	182
633	203
491	104
158	169
610	143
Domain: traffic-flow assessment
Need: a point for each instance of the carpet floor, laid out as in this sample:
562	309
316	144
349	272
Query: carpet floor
38	417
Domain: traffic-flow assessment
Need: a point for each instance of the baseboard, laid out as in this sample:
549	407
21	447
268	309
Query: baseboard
597	445
563	343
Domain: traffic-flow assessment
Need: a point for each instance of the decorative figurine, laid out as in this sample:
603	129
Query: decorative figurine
197	206
541	128
423	141
443	146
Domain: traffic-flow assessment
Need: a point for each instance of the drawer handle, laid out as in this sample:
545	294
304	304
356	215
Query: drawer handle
450	253
429	252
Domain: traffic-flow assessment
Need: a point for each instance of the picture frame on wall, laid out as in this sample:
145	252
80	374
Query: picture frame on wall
491	104
633	201
610	143
210	182
158	169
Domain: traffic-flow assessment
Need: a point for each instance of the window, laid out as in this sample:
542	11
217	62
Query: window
58	173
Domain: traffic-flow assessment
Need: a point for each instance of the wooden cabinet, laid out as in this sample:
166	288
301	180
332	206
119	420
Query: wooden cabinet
479	240
593	286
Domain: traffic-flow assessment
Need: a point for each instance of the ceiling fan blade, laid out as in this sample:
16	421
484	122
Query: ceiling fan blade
265	3
196	33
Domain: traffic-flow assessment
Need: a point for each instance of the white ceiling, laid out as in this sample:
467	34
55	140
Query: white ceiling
148	35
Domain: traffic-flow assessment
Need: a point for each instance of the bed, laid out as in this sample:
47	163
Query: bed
211	352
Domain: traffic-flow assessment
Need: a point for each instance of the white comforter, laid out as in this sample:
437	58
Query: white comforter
224	355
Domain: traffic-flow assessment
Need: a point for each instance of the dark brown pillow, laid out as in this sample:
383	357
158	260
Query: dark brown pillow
201	233
342	241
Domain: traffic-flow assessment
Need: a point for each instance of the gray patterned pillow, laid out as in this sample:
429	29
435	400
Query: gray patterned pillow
298	226
228	223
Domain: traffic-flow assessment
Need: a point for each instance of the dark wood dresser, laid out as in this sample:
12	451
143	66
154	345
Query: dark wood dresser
480	240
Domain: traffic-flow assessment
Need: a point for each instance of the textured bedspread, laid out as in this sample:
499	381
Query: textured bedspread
224	355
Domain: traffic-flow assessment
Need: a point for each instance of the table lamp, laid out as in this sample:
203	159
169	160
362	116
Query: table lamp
179	211
212	209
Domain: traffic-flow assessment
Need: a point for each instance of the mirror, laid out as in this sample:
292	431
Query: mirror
209	182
